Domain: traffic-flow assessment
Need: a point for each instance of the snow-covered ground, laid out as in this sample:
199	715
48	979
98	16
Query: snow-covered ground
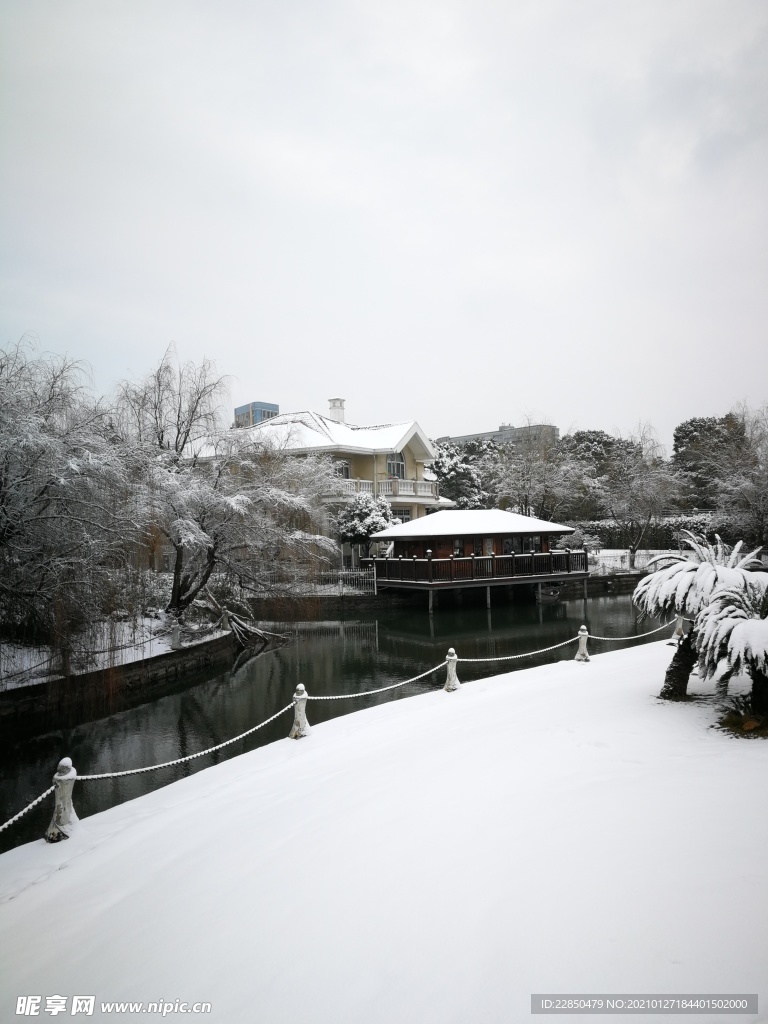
436	859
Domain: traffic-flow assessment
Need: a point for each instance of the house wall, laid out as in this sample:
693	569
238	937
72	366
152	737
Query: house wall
361	466
442	547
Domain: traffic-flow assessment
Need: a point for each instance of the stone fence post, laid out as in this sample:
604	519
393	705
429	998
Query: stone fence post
64	816
581	654
300	724
679	631
451	679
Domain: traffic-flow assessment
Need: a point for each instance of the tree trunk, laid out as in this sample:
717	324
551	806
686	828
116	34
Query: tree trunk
679	671
632	553
174	603
759	695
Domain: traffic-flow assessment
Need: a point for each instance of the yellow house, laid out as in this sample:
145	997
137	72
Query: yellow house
388	459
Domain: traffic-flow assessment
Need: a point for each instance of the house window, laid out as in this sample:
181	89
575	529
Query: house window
458	547
396	466
403	514
341	468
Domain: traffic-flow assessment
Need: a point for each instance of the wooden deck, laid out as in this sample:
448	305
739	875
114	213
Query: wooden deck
479	570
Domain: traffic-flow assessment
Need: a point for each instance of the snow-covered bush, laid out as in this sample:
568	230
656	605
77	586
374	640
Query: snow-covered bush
365	515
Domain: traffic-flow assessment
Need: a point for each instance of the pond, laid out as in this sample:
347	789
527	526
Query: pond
351	656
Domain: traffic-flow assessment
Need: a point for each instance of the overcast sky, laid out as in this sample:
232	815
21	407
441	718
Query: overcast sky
460	213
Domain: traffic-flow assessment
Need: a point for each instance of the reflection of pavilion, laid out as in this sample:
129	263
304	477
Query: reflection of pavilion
457	549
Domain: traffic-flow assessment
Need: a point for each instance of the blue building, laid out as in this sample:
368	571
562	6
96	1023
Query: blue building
255	412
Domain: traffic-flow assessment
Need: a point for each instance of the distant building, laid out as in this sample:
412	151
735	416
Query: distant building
507	434
255	412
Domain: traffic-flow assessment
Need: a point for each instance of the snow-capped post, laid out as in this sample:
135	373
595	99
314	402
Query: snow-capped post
300	724
451	679
63	812
679	632
581	654
429	564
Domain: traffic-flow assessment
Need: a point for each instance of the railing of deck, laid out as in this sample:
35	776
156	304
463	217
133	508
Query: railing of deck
479	567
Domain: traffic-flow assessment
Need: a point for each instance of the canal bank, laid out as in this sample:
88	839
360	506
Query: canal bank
328	657
64	702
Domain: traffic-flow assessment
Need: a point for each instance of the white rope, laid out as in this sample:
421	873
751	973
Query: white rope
381	689
635	637
529	654
27	808
189	757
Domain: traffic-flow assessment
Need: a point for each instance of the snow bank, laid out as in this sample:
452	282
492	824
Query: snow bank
436	859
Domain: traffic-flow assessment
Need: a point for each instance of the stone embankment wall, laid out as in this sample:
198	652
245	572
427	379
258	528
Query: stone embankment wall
64	702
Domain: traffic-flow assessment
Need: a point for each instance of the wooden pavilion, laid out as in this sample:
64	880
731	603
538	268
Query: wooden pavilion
460	548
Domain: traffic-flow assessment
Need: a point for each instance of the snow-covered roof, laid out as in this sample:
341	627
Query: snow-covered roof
468	523
312	432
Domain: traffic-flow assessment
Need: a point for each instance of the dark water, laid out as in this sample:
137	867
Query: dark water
335	657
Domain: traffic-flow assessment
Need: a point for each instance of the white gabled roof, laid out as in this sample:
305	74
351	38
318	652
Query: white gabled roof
311	432
469	523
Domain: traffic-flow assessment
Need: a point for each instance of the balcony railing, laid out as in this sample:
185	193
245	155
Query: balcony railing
392	488
479	567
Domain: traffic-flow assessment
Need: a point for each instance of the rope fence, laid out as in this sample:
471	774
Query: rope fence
637	636
381	689
64	816
28	808
189	757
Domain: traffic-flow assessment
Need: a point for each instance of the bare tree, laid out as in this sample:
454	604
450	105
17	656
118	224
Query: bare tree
224	502
636	486
529	475
173	406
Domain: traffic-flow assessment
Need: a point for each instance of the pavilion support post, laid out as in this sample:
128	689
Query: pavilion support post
487	597
585	589
431	600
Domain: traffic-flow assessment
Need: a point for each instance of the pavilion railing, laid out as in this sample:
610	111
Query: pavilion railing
479	567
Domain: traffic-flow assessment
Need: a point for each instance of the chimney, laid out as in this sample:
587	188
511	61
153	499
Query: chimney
337	409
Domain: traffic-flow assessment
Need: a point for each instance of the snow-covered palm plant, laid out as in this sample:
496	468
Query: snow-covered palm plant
684	588
733	635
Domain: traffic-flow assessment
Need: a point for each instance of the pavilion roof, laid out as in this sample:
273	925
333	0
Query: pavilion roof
469	523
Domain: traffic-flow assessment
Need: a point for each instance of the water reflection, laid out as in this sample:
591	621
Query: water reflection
328	658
